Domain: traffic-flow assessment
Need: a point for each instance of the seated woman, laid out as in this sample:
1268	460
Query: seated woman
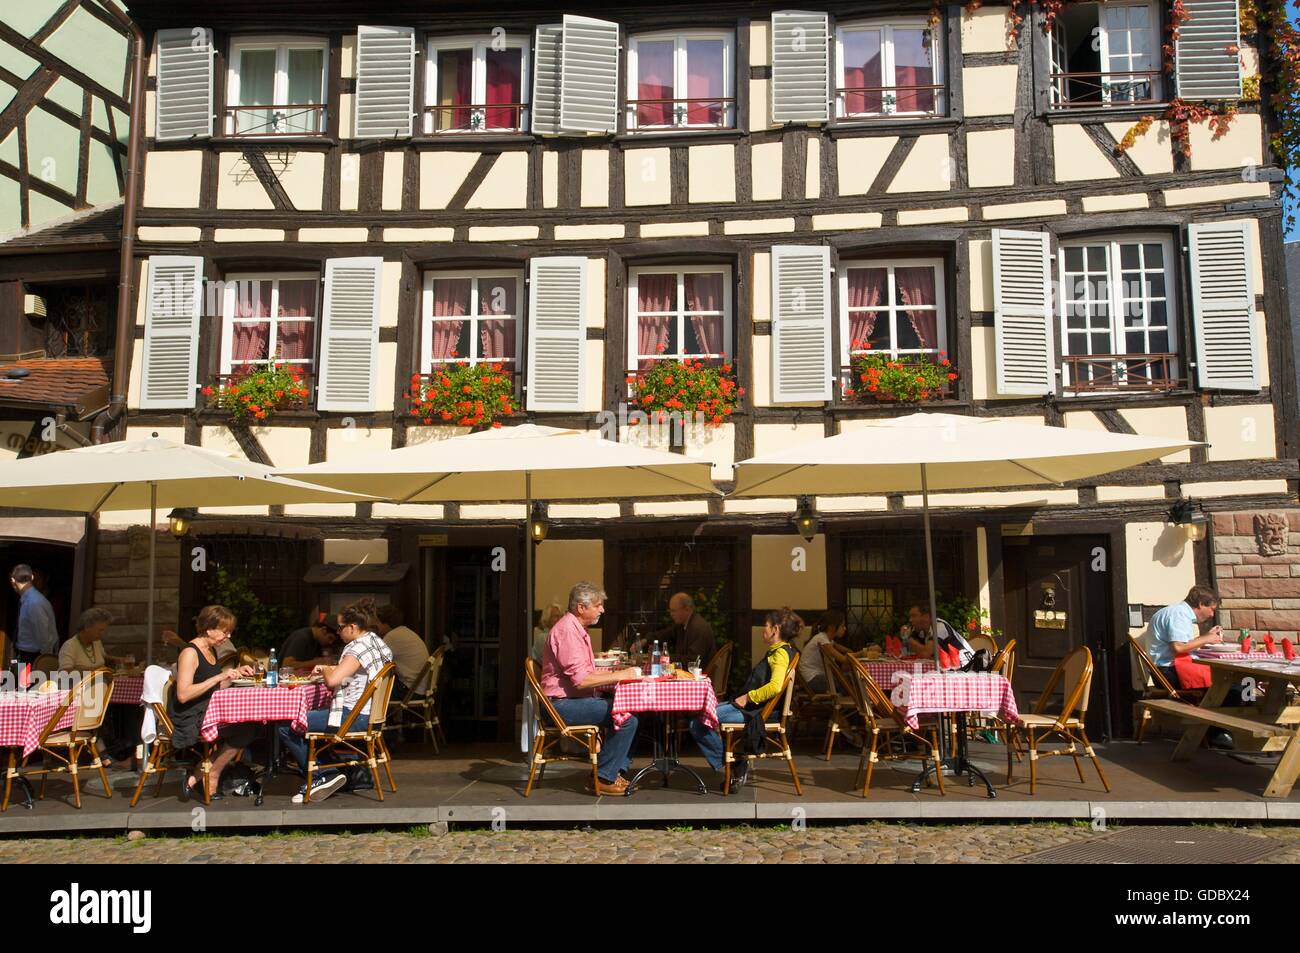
829	628
198	675
364	654
83	653
779	632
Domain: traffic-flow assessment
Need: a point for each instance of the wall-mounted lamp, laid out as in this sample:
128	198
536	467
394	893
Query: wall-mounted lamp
538	524
1188	515
179	519
805	520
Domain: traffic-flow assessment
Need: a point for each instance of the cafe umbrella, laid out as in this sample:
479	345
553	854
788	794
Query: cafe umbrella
149	474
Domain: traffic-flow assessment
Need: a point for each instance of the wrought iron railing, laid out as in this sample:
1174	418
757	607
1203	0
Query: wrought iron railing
684	112
1086	373
884	100
473	117
1122	87
296	119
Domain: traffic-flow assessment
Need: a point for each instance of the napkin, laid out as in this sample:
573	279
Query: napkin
1269	643
893	645
949	657
1245	644
1288	650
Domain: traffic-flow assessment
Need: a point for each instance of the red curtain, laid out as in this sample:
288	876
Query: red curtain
704	64
913	67
251	340
654	67
455	88
704	293
916	287
654	293
866	290
450	300
862	68
497	338
504	69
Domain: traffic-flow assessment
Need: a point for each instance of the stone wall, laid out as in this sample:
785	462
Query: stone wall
1257	561
122	586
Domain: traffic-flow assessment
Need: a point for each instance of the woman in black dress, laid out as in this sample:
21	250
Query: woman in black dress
198	675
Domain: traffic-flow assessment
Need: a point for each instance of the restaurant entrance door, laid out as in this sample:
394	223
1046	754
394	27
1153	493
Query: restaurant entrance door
1058	598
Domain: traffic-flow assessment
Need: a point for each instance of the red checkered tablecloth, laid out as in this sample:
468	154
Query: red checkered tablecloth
940	693
23	715
230	706
882	671
670	694
127	690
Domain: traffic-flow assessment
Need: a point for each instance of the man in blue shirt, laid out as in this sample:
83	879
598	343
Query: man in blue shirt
1175	631
37	632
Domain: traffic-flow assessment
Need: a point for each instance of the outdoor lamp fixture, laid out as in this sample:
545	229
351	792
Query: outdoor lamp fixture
178	521
1188	515
805	520
538	525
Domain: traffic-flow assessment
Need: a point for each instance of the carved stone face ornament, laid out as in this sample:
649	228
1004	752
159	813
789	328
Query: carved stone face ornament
1271	534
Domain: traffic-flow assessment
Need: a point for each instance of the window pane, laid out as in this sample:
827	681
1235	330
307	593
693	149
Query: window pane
704	68
913	67
1155	255
450	297
1158	314
703	292
297	298
654	76
252	298
250	341
256	88
1159	341
1129	256
296	339
306	70
1097	258
505	86
455	88
918	321
497	339
656	334
656	293
450	340
862	72
1074	259
496	296
704	335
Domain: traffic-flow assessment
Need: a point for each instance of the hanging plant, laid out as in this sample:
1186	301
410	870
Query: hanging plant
260	393
878	376
467	395
688	388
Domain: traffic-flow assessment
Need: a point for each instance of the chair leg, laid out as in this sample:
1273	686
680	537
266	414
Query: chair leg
938	762
830	736
726	765
1008	737
388	764
311	769
74	755
374	767
1078	762
98	765
871	762
532	762
1087	746
9	778
1142	724
1032	742
789	760
593	753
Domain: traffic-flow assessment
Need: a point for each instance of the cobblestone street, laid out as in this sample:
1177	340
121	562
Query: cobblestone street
856	844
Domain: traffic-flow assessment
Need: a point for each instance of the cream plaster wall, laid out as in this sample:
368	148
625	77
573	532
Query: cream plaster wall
859	161
989	90
171	179
928	167
595	178
1159	563
1077	157
989	158
506	184
647	179
765	171
788	571
711	173
441	174
1241	432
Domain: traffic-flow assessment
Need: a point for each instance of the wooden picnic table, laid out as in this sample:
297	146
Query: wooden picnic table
1270	724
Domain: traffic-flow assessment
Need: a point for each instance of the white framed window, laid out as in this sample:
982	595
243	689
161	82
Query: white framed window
897	306
476	85
679	312
471	317
889	68
269	317
1118	314
1106	54
681	80
276	86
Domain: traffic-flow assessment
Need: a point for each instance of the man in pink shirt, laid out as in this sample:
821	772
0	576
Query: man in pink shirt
570	679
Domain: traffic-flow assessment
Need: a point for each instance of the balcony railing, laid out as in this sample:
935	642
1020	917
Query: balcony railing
1087	373
884	100
1081	90
684	112
297	119
473	117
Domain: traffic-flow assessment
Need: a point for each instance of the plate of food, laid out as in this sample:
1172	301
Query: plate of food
243	683
295	680
1221	648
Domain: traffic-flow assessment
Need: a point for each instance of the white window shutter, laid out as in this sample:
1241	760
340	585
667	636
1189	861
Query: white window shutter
1022	312
801	323
800	66
184	84
171	332
588	75
349	347
1223	306
385	81
1208	65
557	333
545	107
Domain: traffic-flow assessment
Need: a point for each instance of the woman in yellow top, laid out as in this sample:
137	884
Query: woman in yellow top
764	683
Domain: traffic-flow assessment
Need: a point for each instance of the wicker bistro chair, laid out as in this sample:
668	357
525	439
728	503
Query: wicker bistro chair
845	717
1157	687
808	704
775	733
348	739
421	700
1074	673
982	641
162	754
718	668
62	749
46	733
1004	664
551	730
884	722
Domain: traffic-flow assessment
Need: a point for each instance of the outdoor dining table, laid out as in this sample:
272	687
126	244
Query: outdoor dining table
260	704
882	670
955	693
127	690
660	697
23	716
1266	723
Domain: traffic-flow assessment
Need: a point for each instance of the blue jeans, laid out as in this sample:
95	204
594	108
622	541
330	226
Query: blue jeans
710	741
596	711
296	744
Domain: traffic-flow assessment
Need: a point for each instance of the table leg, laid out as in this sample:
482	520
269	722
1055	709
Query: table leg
1288	767
1220	683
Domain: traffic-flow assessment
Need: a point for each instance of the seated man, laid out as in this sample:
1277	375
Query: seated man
921	641
690	635
310	646
410	654
1175	631
569	679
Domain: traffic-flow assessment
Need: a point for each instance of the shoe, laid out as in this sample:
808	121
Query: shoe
1219	738
321	791
739	776
616	788
187	792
